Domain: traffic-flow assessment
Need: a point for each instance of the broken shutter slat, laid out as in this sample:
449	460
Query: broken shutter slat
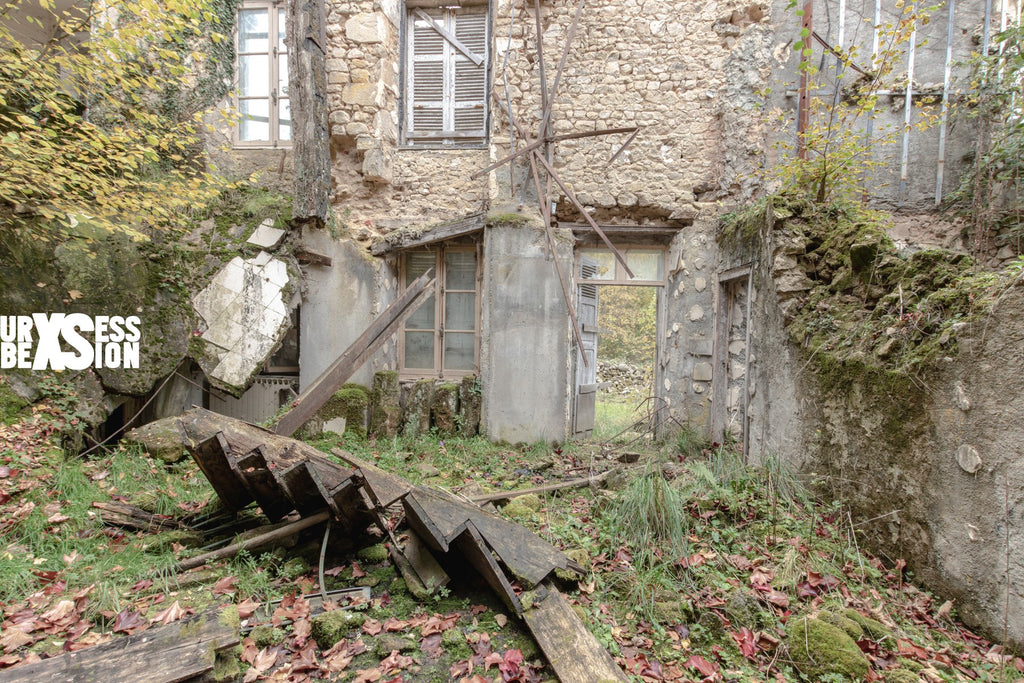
456	43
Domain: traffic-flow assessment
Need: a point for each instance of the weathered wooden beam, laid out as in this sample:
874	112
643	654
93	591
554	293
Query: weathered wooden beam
166	654
445	231
557	138
255	542
128	516
579	207
547	488
307	90
569	647
331	379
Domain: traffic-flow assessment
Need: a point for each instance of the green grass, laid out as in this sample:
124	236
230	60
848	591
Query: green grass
615	416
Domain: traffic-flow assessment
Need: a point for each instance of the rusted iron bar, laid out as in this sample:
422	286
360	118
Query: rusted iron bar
625	144
546	120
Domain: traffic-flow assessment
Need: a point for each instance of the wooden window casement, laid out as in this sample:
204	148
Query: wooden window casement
446	67
441	339
599	265
264	111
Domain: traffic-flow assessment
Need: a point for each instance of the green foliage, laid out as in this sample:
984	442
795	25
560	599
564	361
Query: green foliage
85	140
629	314
831	158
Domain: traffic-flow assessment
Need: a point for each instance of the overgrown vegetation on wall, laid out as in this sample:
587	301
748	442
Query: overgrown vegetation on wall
87	133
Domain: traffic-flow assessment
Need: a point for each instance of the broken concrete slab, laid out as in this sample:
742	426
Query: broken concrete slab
246	315
266	236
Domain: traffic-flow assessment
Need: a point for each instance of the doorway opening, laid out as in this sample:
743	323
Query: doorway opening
627	325
619	322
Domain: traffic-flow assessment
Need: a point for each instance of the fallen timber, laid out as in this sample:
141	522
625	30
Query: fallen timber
246	463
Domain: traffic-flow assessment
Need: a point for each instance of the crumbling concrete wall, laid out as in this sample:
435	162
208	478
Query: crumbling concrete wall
339	303
930	466
526	358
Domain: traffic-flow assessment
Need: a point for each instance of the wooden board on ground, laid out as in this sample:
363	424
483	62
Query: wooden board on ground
385	488
429	572
471	545
569	647
166	654
441	517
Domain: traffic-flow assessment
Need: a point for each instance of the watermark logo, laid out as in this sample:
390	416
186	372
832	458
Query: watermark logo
75	341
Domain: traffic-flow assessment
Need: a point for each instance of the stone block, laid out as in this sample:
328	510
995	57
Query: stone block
364	94
702	372
377	165
368	27
444	408
385	409
470	405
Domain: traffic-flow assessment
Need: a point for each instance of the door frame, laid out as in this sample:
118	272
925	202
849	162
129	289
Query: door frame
727	281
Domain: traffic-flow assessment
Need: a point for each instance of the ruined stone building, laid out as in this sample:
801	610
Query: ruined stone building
694	101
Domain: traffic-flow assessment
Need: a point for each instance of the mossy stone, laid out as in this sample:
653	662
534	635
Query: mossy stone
516	510
416	408
900	676
330	627
470	405
851	627
375	553
385	408
267	636
872	627
444	409
390	642
293	568
161	440
818	648
349	402
531	501
226	667
11	404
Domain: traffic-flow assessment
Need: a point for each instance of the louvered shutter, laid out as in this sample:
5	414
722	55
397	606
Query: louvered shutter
446	92
469	114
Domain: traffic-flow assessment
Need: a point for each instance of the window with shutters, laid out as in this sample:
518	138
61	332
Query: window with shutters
446	76
262	93
441	339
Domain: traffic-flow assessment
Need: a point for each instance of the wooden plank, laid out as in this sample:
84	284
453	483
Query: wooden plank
424	525
557	138
213	457
165	654
399	239
547	488
529	557
302	488
262	485
254	542
569	647
385	488
307	88
427	569
128	516
471	545
324	386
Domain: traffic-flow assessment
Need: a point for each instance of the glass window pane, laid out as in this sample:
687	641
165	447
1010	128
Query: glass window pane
646	264
419	350
417	263
459	351
254	76
460	270
255	122
423	318
280	31
253	30
459	312
282	75
284	128
597	264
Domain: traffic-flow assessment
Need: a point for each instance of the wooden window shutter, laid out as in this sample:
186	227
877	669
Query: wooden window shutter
446	90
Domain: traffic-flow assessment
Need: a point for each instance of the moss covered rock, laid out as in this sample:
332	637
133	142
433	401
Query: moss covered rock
871	627
267	636
11	404
900	676
851	627
444	409
416	408
162	440
385	409
374	554
470	403
349	402
818	648
516	510
330	627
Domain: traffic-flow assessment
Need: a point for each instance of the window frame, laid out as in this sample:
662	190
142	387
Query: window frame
620	277
438	370
407	59
276	14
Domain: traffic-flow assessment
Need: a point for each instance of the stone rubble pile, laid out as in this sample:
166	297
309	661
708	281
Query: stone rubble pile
625	378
